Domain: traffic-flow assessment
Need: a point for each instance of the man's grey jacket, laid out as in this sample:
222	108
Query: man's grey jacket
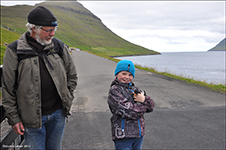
24	103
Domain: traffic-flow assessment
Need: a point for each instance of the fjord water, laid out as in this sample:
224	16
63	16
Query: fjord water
202	66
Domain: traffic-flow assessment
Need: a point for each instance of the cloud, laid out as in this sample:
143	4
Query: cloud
12	3
164	25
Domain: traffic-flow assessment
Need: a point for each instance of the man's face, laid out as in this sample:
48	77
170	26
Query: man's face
44	35
125	77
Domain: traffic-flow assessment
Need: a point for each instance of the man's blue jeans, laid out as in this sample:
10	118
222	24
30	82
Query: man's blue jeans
129	144
50	135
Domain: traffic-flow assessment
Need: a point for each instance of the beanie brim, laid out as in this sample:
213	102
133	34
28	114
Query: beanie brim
42	22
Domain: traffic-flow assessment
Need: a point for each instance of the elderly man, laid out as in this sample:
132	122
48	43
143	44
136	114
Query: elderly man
39	78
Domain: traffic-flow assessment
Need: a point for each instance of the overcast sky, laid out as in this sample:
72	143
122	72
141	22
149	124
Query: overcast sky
164	26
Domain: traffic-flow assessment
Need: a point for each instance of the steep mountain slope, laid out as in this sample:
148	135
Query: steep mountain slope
220	46
78	27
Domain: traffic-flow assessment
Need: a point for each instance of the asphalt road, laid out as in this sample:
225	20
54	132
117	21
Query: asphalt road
185	117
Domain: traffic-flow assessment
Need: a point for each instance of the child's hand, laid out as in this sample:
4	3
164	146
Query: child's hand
139	97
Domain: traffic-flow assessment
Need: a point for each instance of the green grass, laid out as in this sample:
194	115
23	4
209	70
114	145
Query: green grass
114	51
2	48
6	37
214	87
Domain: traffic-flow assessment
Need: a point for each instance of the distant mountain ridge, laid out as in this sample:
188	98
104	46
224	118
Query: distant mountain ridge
78	27
220	46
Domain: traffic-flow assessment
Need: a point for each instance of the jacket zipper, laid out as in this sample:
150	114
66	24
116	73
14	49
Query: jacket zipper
139	127
122	125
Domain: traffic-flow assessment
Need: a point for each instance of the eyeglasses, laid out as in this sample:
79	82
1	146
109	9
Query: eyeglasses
50	30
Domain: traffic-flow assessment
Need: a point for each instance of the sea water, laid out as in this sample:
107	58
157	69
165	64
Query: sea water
203	66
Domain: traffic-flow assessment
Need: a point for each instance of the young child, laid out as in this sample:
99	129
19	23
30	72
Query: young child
128	105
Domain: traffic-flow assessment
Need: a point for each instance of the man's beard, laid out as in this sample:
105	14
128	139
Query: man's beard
42	41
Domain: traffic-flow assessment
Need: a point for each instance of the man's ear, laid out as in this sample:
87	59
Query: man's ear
33	29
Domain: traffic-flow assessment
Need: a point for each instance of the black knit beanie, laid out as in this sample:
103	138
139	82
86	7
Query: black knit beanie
42	16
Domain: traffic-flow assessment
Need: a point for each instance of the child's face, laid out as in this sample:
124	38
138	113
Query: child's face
125	77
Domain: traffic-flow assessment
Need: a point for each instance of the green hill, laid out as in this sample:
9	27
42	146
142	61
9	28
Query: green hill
7	37
77	27
220	46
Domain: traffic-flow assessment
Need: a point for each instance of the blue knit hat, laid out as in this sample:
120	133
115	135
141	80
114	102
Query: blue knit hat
125	65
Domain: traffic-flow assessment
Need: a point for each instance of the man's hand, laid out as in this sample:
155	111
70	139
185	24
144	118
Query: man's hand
139	97
19	128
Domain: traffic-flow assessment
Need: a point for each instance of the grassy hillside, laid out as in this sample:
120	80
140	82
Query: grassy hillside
6	37
78	27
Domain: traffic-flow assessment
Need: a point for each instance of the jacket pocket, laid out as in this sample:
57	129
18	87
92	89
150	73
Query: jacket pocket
120	132
67	102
